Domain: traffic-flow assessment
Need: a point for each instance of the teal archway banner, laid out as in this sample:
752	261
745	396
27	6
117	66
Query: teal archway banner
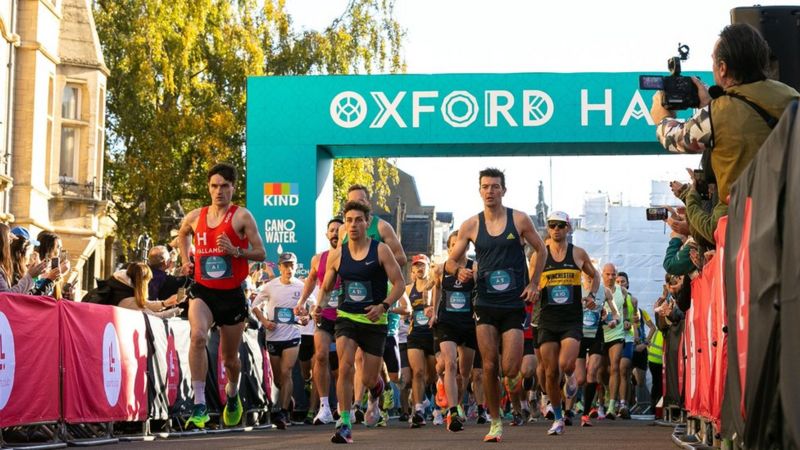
297	125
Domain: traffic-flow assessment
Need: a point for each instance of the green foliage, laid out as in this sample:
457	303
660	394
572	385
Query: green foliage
176	94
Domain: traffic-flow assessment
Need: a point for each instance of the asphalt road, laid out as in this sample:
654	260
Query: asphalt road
631	434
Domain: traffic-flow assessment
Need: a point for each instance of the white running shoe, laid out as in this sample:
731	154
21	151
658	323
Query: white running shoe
323	417
438	419
557	428
373	414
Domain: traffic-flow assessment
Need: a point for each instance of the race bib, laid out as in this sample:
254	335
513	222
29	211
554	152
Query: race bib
358	292
420	319
333	301
215	267
498	281
559	295
591	319
456	301
284	315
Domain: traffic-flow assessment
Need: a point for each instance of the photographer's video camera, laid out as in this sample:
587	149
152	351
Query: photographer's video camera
679	92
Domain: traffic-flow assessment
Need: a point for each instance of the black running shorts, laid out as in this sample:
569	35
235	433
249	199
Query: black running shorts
228	306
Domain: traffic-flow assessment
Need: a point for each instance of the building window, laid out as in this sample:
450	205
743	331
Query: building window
70	133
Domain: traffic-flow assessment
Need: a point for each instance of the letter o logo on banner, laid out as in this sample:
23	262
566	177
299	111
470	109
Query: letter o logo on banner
8	362
348	109
449	114
112	365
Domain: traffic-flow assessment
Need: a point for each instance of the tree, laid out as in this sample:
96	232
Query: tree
176	94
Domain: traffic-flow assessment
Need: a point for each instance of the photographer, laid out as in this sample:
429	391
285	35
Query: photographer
730	127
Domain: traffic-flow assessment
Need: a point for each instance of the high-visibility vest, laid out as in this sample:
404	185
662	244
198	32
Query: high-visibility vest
655	352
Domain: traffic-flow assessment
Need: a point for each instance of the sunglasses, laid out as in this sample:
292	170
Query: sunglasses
559	225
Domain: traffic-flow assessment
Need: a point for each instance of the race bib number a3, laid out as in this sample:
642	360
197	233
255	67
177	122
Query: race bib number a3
456	301
216	267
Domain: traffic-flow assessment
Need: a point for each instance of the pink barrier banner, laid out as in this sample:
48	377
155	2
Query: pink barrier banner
29	388
719	368
105	362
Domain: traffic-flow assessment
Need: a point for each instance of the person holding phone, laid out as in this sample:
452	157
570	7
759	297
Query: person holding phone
25	283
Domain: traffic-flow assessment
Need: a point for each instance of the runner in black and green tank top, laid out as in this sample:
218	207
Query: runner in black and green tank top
364	266
421	354
499	234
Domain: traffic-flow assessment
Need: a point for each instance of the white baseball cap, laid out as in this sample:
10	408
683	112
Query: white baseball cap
558	216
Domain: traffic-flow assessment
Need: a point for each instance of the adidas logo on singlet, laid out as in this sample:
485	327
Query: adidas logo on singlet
510	236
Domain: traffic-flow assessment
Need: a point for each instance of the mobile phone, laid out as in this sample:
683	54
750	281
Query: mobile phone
657	213
700	183
55	263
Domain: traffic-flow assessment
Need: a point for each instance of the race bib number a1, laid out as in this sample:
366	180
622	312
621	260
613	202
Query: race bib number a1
358	292
456	301
215	267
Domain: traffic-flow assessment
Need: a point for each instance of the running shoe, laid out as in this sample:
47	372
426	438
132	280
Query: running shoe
441	395
383	421
418	420
586	421
403	417
570	386
624	413
549	414
358	414
309	420
495	432
323	417
526	415
343	435
438	419
578	407
455	422
517	420
593	413
461	413
601	412
557	428
482	417
198	418
388	399
567	420
373	414
281	421
611	415
232	413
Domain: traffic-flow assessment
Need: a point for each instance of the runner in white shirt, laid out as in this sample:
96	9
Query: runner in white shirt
283	333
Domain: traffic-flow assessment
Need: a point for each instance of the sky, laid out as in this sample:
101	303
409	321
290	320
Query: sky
506	36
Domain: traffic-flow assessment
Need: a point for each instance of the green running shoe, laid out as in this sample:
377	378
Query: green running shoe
232	413
199	417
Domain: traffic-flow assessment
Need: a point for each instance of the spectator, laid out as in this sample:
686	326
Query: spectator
23	257
24	285
163	285
49	248
743	102
137	276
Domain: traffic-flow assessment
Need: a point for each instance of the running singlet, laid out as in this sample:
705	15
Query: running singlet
213	268
330	311
503	272
613	334
280	302
562	304
419	321
455	306
363	284
591	317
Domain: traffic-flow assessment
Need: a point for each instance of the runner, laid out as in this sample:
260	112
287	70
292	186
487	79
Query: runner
392	360
454	327
225	237
365	266
324	334
590	355
421	354
499	234
283	334
614	337
626	362
560	324
405	369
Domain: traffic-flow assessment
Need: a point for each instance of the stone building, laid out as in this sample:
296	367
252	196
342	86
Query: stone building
52	108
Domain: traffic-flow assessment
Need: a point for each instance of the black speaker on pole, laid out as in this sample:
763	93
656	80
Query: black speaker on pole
780	26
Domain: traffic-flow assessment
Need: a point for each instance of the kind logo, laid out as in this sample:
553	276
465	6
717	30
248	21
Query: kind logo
281	194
